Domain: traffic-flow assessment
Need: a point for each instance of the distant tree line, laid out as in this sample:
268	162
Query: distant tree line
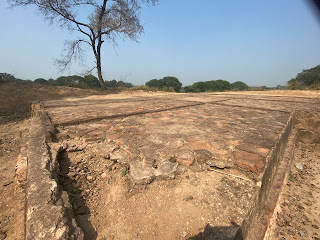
6	77
173	84
307	79
216	86
88	81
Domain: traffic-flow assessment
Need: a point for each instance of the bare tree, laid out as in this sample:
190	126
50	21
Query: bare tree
108	20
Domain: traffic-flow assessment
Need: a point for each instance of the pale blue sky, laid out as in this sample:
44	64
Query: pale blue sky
260	42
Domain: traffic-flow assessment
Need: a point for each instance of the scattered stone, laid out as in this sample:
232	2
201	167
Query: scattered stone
185	157
299	166
6	220
184	234
119	156
302	234
148	156
167	170
197	167
202	155
219	164
89	177
104	175
172	159
167	154
75	148
105	155
141	174
188	198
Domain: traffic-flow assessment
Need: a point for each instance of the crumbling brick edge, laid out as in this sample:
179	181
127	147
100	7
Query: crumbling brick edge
48	212
260	221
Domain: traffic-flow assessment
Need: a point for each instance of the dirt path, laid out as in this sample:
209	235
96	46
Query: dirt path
300	210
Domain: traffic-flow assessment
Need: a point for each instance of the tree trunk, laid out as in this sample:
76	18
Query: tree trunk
98	55
101	81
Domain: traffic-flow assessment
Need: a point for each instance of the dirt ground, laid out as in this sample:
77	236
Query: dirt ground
300	209
299	218
11	201
175	209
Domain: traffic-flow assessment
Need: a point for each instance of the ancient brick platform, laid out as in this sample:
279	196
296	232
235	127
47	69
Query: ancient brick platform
152	133
160	136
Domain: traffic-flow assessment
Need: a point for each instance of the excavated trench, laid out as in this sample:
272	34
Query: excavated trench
70	185
197	171
195	204
102	192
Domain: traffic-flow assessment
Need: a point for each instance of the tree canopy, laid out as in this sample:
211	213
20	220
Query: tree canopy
240	86
165	84
6	77
307	77
216	86
107	20
41	81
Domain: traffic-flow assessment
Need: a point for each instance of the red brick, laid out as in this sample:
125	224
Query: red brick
185	157
196	144
114	136
249	161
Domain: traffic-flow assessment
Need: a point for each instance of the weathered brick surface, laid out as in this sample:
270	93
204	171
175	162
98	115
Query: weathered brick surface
157	136
165	126
185	157
249	161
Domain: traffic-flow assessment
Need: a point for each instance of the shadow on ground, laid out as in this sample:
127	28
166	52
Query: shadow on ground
80	210
219	233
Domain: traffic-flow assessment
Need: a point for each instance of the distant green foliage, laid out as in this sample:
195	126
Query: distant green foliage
168	84
117	84
6	77
216	86
70	81
89	81
308	78
240	86
128	85
41	81
111	84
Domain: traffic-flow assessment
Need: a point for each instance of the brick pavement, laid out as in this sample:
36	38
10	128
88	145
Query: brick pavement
161	132
161	136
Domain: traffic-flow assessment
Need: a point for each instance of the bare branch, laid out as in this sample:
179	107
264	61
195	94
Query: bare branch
89	71
73	51
110	20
